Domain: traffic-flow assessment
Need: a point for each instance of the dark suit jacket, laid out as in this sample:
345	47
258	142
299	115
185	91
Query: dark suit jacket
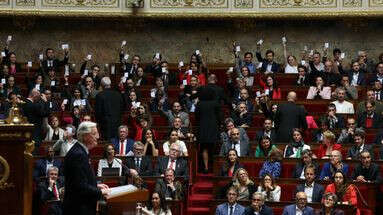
56	64
333	212
354	151
225	169
306	81
361	77
40	169
177	194
340	123
289	116
108	108
244	148
317	191
35	112
146	168
264	211
376	120
370	174
219	93
182	167
128	146
259	135
290	210
81	192
274	68
55	207
299	167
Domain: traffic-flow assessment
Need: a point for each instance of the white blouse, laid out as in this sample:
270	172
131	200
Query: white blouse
291	69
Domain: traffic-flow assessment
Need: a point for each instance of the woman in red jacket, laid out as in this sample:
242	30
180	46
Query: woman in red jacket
270	87
328	145
193	69
346	193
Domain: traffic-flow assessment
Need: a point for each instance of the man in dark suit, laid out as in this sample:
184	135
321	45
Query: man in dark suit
378	76
356	75
266	131
123	145
335	121
242	147
169	187
268	64
220	95
366	171
378	90
289	116
173	161
138	164
42	166
52	62
299	207
35	109
359	146
51	189
314	191
231	207
81	189
108	108
258	206
370	118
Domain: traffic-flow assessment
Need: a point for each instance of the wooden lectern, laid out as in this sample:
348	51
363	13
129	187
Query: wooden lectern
123	201
16	166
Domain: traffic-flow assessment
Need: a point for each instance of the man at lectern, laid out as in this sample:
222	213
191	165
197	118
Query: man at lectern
81	189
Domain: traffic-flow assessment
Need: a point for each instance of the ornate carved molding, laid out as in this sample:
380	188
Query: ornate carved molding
352	3
376	3
25	2
297	3
188	3
4	177
81	3
4	2
243	4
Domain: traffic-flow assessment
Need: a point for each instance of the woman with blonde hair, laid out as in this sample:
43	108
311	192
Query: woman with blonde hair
243	184
328	145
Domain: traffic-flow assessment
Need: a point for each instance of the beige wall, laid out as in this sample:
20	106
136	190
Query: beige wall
176	39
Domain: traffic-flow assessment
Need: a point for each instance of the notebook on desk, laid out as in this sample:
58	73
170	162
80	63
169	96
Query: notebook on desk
114	171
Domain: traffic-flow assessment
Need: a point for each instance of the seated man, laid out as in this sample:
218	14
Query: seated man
329	168
370	118
343	106
241	116
138	164
350	90
366	171
335	121
124	145
242	147
231	207
176	112
245	98
225	135
258	206
172	190
359	146
267	130
173	161
371	97
347	134
268	65
42	165
52	190
314	191
300	206
183	132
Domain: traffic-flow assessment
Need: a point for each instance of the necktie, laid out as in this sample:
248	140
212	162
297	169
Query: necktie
171	164
55	193
138	163
231	210
121	148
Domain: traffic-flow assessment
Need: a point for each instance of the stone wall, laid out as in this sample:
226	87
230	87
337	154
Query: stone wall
176	39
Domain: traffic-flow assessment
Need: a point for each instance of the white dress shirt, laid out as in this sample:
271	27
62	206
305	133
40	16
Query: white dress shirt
237	148
354	81
309	192
291	69
298	211
228	208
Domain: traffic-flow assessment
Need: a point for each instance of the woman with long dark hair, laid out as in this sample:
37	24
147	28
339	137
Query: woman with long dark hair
264	147
296	146
156	205
231	165
269	189
150	143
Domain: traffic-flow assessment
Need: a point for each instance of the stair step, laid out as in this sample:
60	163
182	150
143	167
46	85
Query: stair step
200	200
198	211
202	188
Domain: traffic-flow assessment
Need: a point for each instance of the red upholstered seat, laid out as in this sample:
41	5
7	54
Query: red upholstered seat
287	192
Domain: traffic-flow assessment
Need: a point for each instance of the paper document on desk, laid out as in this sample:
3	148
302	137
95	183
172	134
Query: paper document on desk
116	191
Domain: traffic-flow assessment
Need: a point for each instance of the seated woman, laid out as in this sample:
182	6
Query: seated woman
9	87
317	135
272	165
328	145
54	132
264	147
109	161
132	101
78	100
294	149
173	138
291	65
346	193
329	205
306	160
269	189
231	165
150	144
139	78
156	205
242	118
319	91
243	184
270	87
246	76
335	164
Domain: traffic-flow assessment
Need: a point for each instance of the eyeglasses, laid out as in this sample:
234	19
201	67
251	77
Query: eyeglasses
235	134
258	200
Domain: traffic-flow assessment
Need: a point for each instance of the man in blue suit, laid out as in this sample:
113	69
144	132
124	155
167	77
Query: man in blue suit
300	207
81	189
231	207
124	145
314	191
42	165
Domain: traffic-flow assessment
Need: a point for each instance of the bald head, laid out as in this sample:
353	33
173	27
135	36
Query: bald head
292	96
